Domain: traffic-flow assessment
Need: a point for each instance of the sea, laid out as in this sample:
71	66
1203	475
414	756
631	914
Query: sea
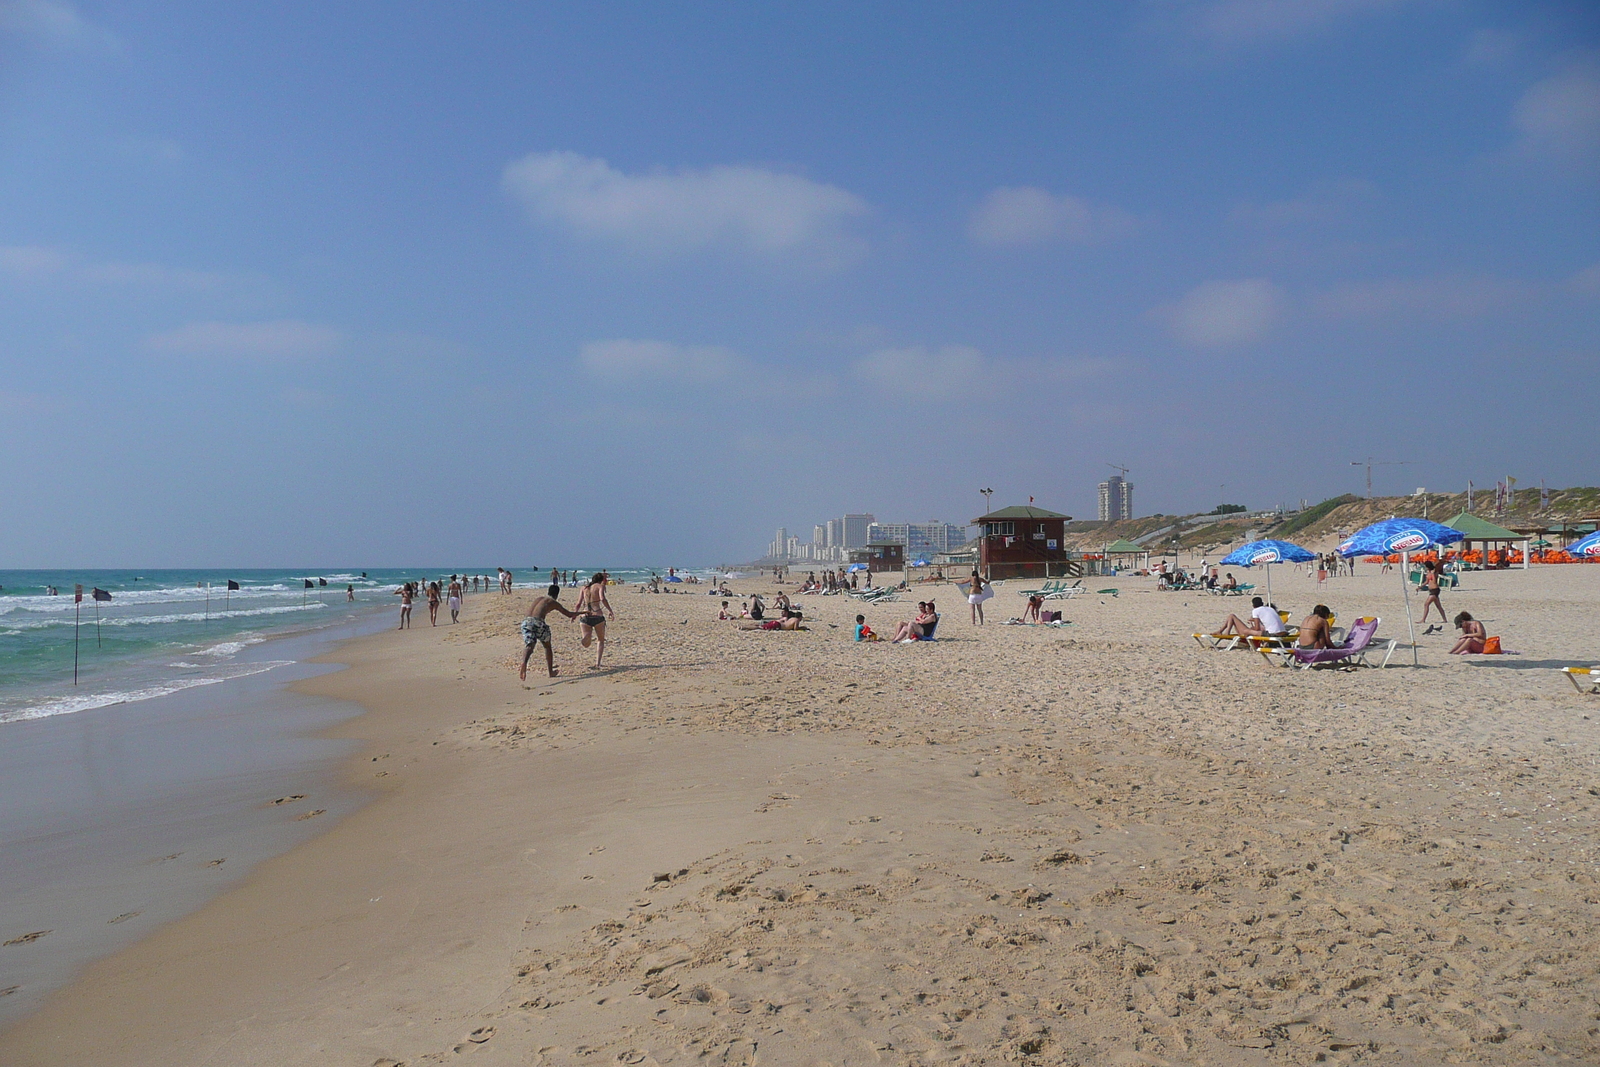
145	736
161	631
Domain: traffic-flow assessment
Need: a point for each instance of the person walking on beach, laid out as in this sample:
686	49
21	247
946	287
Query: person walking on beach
593	607
433	602
1430	588
536	631
350	593
455	600
405	606
977	592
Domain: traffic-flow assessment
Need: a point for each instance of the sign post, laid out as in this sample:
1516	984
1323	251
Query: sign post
77	614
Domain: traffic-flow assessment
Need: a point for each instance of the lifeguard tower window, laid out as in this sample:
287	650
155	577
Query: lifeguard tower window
1038	532
1000	529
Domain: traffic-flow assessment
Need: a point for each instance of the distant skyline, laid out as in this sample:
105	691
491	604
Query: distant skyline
388	284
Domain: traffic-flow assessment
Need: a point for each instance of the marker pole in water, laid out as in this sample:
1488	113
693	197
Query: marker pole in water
77	612
208	602
96	622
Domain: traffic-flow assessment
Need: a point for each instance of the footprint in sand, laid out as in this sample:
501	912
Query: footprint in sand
311	815
164	859
125	916
8	990
26	939
289	800
474	1039
216	863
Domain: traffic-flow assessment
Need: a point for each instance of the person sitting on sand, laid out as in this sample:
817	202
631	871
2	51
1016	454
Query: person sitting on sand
1472	637
536	631
793	622
780	601
1264	621
863	631
919	627
1314	631
724	615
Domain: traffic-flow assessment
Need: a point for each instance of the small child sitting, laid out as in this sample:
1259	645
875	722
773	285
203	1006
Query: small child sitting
724	614
863	631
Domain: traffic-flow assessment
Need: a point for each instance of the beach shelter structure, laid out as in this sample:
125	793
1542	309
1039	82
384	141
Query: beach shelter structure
1023	541
1404	536
1124	547
1486	533
1267	553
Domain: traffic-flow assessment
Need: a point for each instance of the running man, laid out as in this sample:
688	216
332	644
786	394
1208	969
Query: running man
536	631
593	607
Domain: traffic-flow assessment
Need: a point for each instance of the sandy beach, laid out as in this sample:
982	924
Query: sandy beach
1090	844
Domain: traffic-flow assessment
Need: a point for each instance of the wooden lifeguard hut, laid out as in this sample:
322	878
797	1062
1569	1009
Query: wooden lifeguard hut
1023	541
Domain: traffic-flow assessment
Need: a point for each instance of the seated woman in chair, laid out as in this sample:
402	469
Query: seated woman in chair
1315	631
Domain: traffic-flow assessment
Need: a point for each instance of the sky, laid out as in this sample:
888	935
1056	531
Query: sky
373	284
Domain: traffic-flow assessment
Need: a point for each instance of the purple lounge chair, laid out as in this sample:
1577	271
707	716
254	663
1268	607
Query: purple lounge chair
1354	648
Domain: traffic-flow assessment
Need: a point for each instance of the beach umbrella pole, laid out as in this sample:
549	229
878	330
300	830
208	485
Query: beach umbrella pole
1268	566
1405	591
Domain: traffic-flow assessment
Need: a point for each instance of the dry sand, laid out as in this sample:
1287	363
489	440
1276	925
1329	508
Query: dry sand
1094	844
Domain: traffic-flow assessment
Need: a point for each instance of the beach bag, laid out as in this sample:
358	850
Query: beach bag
1491	646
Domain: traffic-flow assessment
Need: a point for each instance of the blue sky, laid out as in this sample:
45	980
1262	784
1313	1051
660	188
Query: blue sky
396	283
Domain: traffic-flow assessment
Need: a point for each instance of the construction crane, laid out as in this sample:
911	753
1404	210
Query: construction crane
1369	463
1124	470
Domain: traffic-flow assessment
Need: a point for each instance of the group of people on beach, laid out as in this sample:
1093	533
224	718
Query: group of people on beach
833	582
591	612
435	592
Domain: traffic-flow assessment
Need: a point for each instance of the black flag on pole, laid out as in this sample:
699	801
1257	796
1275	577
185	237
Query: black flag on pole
310	584
232	585
322	581
100	594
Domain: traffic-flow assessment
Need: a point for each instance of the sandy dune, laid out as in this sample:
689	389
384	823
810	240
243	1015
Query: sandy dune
1093	844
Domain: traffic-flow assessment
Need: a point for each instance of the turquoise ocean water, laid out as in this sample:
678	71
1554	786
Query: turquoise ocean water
163	631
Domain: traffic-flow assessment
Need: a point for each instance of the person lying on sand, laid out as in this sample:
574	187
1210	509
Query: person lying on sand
1314	631
1263	622
536	631
790	623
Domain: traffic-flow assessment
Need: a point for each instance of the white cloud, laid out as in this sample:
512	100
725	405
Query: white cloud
1324	203
283	339
37	262
1560	116
1587	281
1232	23
1021	215
925	374
33	261
53	23
740	206
649	362
1491	46
1448	296
1222	314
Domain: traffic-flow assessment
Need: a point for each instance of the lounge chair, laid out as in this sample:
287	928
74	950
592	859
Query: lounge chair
1354	649
1590	676
1229	642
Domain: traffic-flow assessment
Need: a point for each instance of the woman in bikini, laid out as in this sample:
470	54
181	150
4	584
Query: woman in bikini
405	605
593	607
433	603
1430	587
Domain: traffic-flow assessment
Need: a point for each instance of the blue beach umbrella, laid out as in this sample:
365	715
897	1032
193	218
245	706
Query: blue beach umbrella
1587	548
1404	536
1267	553
673	578
858	566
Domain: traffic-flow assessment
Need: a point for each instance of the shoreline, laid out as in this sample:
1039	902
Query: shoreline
1013	843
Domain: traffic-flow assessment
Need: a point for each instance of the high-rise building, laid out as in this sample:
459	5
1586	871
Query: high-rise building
1116	499
854	529
834	528
819	534
779	549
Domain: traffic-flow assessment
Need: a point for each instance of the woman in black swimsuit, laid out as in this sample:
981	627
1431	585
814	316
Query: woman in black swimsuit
1430	587
593	607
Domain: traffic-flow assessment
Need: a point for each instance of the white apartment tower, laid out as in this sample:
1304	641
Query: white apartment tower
1116	499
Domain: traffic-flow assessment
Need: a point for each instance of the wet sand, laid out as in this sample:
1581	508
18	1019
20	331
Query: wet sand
1091	844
